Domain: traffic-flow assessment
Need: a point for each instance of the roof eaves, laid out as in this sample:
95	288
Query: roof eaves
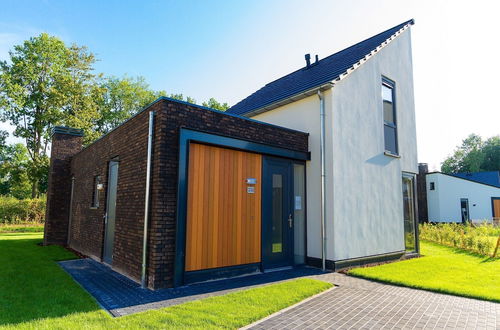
289	99
457	177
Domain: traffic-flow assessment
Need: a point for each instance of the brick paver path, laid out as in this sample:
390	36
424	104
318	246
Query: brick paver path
362	304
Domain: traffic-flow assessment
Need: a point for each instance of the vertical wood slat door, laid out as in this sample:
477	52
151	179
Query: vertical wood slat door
223	219
496	208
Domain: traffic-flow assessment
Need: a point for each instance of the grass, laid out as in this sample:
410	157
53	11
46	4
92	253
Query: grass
35	293
21	228
442	269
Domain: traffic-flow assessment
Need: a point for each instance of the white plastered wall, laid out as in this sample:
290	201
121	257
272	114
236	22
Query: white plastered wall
444	201
368	207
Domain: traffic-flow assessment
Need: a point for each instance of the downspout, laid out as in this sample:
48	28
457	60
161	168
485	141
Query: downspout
146	202
323	178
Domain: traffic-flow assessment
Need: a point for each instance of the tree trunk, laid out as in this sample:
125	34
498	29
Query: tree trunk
34	189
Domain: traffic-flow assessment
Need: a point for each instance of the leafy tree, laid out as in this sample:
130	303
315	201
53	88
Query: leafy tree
45	84
474	155
214	104
123	98
14	162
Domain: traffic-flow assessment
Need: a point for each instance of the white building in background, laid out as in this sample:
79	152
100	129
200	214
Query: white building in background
454	199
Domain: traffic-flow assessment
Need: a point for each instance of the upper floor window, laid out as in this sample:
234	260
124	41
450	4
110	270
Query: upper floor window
390	126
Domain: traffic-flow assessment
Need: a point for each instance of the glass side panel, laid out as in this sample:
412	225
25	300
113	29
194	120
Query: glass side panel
409	213
277	220
389	113
299	213
390	139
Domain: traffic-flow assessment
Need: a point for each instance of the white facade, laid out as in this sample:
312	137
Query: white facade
444	201
363	185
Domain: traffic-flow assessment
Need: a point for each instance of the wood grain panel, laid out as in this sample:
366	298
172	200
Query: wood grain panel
496	208
223	220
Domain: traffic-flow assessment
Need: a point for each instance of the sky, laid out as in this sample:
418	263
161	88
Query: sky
229	49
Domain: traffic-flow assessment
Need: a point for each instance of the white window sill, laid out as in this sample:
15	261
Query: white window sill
390	154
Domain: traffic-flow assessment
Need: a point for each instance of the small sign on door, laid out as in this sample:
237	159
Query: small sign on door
250	190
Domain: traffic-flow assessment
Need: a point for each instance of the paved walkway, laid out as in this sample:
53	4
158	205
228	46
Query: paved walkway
122	296
362	304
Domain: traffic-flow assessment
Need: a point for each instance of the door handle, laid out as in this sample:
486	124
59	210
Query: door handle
290	220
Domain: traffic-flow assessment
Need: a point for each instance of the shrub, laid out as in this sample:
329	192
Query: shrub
13	210
468	237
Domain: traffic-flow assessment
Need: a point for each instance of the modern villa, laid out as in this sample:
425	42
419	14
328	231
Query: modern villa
315	168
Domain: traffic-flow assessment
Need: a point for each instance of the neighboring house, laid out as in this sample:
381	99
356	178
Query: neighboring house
322	174
369	145
450	198
490	177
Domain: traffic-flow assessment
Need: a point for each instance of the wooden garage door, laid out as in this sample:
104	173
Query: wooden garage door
223	218
496	207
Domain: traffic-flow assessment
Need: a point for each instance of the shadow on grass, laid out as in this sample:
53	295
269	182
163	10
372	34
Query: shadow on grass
32	285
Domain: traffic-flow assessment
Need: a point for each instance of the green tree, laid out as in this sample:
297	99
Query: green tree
491	151
45	84
474	155
214	104
14	162
123	98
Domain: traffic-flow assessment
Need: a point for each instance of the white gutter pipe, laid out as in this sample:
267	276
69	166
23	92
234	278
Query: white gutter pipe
323	178
146	202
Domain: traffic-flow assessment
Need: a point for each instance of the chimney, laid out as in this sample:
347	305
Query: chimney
308	60
66	142
317	59
423	169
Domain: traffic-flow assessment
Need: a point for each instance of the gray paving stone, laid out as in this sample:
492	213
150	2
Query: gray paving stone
360	304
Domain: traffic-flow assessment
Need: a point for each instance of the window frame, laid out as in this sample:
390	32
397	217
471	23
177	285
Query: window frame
392	86
94	204
413	178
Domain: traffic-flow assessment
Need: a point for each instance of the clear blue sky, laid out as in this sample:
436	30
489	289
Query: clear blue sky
229	49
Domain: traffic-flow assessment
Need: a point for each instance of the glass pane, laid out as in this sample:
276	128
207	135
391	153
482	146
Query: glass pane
389	113
277	221
299	213
390	139
409	213
386	93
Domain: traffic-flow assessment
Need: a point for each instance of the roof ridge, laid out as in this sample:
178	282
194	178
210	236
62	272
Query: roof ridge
338	75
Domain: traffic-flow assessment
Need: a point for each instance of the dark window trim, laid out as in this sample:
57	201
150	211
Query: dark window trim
432	185
186	136
493	199
392	85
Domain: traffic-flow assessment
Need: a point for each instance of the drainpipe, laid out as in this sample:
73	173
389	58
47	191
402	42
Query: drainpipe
146	202
323	178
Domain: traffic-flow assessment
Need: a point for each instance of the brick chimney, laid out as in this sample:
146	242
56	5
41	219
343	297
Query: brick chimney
423	215
66	142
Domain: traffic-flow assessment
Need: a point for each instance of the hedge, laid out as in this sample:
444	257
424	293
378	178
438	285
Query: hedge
13	210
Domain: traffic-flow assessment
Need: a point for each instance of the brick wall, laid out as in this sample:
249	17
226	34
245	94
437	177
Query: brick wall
64	146
128	143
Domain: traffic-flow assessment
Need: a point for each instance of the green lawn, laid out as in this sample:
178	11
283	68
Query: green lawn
442	269
36	293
